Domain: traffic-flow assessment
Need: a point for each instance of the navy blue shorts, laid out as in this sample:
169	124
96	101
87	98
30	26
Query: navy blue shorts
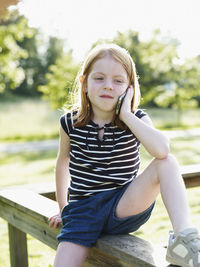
85	220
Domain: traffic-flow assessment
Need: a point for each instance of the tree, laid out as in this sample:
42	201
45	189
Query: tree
183	90
154	61
164	81
55	50
37	63
32	65
13	29
60	80
25	57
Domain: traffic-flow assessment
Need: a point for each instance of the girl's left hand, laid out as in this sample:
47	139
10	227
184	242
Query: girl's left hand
55	221
126	105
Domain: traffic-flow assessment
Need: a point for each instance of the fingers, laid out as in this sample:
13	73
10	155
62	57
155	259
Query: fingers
55	221
126	105
129	96
130	92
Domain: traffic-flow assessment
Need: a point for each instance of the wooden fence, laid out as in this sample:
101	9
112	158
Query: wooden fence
27	212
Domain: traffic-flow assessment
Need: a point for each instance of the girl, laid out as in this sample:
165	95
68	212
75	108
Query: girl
101	151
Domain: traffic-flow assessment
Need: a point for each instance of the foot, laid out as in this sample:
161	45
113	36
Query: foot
184	249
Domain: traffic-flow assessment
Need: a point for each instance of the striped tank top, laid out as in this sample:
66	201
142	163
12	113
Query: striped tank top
100	165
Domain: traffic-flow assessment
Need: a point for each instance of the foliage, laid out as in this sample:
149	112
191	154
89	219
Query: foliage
36	64
164	80
13	29
184	86
25	57
60	81
33	67
153	58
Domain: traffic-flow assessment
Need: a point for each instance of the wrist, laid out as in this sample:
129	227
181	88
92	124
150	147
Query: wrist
61	206
125	116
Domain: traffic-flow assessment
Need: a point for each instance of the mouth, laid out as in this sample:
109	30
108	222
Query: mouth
106	96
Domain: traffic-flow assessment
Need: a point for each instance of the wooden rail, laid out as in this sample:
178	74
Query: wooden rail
191	175
27	212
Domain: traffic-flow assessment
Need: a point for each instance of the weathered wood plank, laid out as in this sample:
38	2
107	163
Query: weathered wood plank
29	224
99	258
190	170
23	212
191	175
30	203
29	212
45	189
18	247
126	250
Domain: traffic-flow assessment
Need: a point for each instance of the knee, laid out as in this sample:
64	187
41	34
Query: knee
169	162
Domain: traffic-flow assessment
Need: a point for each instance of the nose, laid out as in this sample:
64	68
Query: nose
108	84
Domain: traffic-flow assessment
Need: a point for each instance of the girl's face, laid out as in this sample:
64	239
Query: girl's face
106	82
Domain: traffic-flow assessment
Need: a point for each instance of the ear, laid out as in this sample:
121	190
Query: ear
82	80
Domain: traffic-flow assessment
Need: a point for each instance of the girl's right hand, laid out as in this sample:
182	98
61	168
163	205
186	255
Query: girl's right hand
126	105
55	221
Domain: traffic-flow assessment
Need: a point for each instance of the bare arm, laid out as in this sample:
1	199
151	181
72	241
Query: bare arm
62	169
153	140
62	176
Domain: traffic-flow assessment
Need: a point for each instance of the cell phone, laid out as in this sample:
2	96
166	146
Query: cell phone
119	103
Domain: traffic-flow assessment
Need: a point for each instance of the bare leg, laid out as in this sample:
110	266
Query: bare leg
164	176
70	255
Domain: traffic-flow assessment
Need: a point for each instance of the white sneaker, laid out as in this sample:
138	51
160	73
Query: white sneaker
184	249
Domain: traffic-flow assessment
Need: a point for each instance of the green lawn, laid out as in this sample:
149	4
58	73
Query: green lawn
25	168
39	254
34	120
34	167
26	120
167	118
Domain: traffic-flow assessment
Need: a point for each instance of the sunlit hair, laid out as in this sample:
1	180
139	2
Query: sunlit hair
122	56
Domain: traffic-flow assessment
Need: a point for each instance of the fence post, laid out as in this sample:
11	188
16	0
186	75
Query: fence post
18	247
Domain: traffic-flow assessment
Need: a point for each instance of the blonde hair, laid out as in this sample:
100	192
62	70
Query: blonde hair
122	56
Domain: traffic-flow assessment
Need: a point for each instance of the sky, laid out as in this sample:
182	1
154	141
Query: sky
83	22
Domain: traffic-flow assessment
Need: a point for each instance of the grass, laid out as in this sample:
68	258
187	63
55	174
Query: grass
167	119
186	150
39	255
28	120
33	120
34	167
19	169
25	168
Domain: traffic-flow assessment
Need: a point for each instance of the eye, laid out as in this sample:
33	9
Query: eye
98	78
119	81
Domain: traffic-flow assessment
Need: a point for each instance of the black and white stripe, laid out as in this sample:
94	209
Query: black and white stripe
96	165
